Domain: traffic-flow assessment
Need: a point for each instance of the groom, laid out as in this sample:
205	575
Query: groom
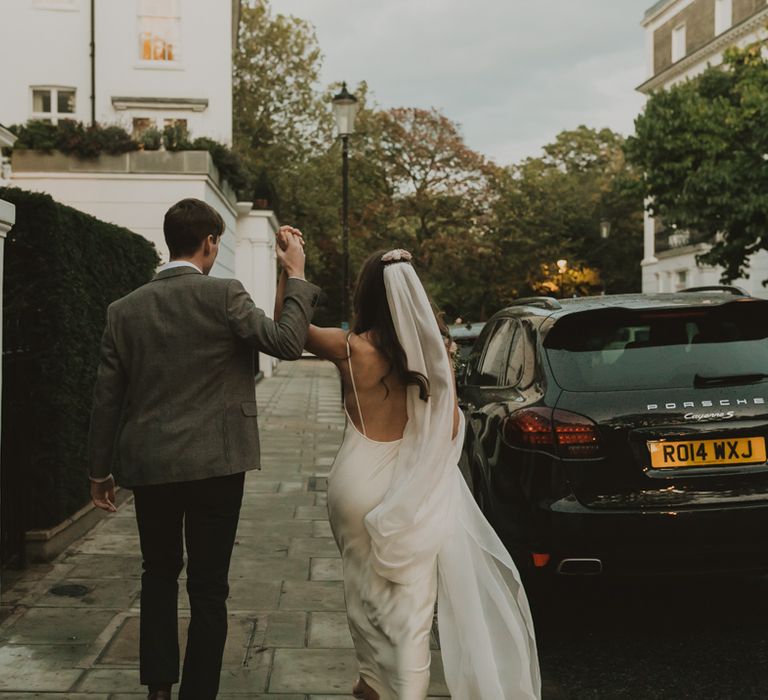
174	413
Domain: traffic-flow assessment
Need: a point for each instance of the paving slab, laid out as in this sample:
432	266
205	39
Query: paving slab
329	630
313	670
312	595
326	569
55	626
55	671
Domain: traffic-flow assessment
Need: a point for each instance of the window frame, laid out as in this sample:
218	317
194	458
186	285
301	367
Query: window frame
679	36
54	115
174	63
503	382
518	341
723	16
477	354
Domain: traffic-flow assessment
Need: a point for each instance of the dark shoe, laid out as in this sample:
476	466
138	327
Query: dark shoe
159	695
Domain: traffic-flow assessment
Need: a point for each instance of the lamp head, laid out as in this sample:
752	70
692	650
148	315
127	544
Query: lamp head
345	110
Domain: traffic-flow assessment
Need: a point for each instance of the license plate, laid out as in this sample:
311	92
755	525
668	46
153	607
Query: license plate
705	453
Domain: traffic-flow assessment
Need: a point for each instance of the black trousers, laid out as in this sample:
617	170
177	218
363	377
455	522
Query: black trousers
204	514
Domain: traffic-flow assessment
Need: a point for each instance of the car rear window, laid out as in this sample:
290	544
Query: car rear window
614	349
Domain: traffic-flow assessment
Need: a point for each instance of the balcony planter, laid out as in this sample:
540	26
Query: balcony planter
134	162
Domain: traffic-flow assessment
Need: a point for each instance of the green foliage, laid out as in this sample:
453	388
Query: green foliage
151	139
703	146
550	208
63	268
175	137
74	138
280	121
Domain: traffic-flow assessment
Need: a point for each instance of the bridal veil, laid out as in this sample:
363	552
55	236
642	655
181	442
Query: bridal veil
428	514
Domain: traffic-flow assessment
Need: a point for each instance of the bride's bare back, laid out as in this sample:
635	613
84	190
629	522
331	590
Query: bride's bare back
384	413
381	392
382	403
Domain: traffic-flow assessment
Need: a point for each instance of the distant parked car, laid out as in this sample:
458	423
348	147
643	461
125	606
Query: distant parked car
464	335
623	434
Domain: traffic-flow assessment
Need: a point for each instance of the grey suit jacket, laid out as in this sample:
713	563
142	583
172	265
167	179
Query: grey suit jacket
175	394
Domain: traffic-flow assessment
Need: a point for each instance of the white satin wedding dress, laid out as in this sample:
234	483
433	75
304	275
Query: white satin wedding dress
409	532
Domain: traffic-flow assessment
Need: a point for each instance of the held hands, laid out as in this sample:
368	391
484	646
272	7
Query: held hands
290	251
103	495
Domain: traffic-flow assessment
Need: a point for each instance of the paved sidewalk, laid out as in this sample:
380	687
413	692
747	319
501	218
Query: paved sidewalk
288	637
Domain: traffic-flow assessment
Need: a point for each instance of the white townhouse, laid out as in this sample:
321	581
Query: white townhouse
140	64
683	38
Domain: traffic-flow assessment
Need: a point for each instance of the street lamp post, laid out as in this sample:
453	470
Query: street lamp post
345	111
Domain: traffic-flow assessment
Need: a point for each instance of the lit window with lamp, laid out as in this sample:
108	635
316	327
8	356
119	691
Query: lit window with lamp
160	30
53	103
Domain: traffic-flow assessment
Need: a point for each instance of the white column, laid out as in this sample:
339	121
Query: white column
7	220
255	263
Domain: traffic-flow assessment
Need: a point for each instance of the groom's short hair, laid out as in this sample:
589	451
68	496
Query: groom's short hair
188	223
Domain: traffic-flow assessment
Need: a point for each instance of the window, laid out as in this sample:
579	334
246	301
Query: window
516	358
159	30
141	124
620	349
49	104
678	43
723	15
180	124
681	280
494	364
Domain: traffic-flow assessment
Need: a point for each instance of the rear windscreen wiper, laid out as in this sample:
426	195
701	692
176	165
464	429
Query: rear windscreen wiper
700	380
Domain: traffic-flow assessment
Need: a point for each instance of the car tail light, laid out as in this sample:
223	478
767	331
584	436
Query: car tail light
577	435
569	435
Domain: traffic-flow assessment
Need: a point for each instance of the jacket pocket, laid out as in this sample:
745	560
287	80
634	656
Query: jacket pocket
249	408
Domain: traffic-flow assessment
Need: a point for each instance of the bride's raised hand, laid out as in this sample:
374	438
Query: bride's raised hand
283	234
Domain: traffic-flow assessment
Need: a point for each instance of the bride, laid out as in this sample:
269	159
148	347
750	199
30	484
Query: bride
407	527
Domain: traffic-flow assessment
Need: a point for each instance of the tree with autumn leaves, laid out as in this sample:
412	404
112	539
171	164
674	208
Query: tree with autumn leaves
481	234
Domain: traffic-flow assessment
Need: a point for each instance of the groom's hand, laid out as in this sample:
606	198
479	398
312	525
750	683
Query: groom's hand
291	256
103	495
286	232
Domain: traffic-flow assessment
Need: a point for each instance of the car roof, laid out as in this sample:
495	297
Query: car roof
557	308
466	330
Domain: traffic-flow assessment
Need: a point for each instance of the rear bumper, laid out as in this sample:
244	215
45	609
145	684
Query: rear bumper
711	540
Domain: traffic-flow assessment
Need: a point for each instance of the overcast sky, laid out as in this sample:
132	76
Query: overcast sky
512	73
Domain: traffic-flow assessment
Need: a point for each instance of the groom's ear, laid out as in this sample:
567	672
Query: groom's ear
209	245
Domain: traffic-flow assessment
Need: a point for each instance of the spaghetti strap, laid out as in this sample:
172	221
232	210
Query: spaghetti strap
354	387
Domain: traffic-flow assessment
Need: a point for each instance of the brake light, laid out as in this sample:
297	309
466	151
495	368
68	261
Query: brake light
576	435
569	435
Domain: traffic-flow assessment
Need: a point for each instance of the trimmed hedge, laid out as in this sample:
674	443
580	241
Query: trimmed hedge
62	269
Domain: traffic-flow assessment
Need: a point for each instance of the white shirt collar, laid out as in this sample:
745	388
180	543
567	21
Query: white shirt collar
179	263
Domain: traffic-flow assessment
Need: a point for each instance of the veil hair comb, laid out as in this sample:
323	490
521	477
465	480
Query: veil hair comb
397	255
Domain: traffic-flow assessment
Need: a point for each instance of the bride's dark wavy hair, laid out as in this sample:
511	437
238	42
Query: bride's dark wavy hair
371	314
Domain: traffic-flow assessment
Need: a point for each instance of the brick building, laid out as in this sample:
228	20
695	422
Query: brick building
683	38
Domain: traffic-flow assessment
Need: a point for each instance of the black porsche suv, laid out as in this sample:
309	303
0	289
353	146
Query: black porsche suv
623	434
